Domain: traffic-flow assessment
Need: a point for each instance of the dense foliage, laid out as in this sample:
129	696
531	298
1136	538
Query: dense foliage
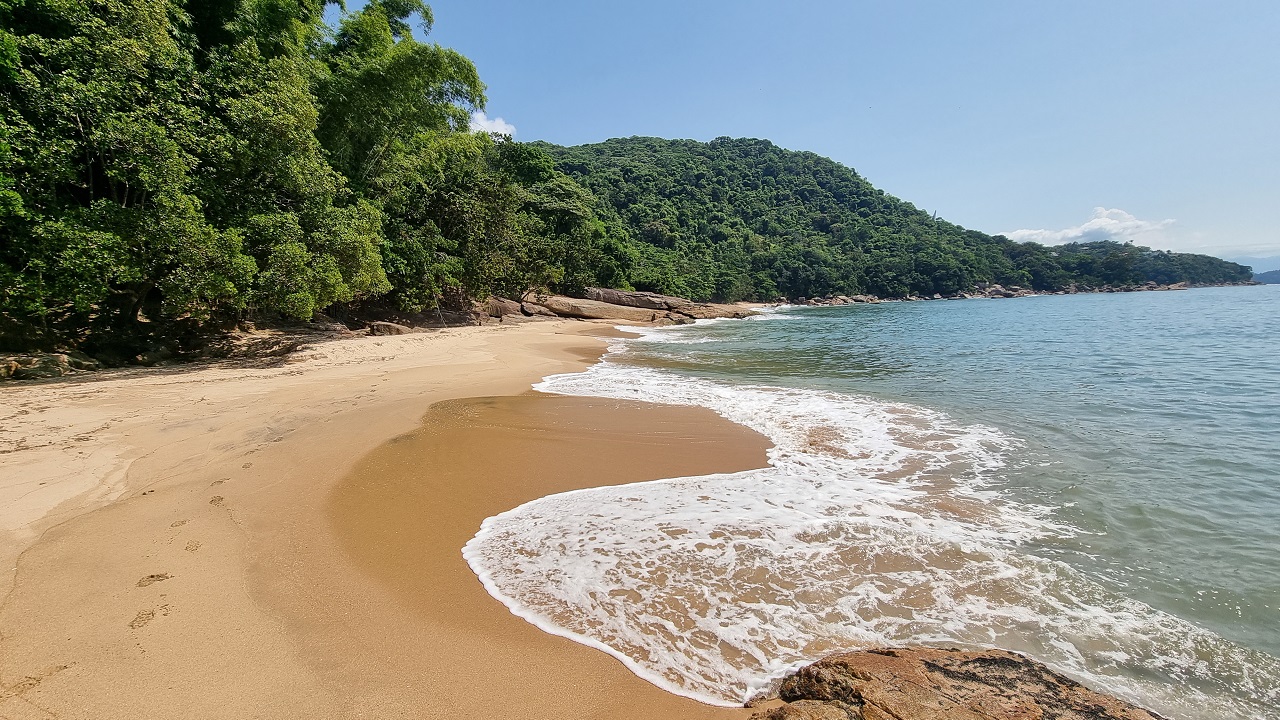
745	219
1271	277
165	161
167	165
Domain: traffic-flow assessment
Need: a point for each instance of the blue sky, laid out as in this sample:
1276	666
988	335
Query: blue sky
1152	121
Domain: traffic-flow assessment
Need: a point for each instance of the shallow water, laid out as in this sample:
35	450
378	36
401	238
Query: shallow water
1087	479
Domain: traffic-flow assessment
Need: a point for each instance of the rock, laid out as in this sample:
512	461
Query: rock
810	710
79	361
1179	286
334	327
36	367
323	323
935	684
595	310
632	306
704	311
651	301
674	319
532	309
154	356
379	327
40	366
501	307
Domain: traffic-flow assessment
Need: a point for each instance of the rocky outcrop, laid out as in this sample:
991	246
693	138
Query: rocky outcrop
595	309
606	304
388	328
496	307
651	301
533	309
45	365
706	311
935	684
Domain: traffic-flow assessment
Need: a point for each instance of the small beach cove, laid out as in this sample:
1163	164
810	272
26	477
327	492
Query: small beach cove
295	531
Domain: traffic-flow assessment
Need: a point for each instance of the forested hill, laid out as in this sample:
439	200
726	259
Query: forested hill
746	219
171	166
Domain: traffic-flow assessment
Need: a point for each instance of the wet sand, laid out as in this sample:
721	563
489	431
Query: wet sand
222	542
407	509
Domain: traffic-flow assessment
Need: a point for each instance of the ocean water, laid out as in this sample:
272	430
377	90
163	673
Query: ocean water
1092	480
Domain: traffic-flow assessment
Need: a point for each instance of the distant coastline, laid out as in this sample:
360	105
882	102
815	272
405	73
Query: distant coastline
1014	291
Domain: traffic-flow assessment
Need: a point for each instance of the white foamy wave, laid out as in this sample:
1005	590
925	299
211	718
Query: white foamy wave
875	523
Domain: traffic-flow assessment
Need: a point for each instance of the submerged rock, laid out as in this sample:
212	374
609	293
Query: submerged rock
935	684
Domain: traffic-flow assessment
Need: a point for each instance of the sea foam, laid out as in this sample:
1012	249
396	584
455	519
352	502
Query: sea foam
874	523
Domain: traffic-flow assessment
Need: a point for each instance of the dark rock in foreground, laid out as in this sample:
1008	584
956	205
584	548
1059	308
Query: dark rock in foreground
934	684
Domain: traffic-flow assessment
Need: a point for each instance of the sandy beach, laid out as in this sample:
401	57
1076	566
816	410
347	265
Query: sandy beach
282	539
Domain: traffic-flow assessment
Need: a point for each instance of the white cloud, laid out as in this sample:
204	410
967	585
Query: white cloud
1106	224
493	126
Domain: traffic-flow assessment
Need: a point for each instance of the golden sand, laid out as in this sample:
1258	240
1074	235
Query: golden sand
283	541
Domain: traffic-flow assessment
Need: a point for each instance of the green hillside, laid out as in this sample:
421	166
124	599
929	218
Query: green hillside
1270	278
744	219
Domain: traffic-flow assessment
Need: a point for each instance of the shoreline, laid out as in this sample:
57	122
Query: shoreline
161	535
405	524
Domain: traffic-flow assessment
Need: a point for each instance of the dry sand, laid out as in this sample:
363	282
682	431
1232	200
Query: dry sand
283	541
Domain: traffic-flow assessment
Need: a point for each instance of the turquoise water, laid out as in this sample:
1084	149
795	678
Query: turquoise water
1093	480
1152	422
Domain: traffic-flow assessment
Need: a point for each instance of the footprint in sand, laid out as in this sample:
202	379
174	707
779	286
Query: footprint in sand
216	483
193	546
246	466
145	616
217	500
178	523
152	579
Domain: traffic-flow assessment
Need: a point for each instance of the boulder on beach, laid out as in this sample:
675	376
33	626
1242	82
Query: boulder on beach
595	309
45	365
652	301
937	684
498	307
388	328
533	309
